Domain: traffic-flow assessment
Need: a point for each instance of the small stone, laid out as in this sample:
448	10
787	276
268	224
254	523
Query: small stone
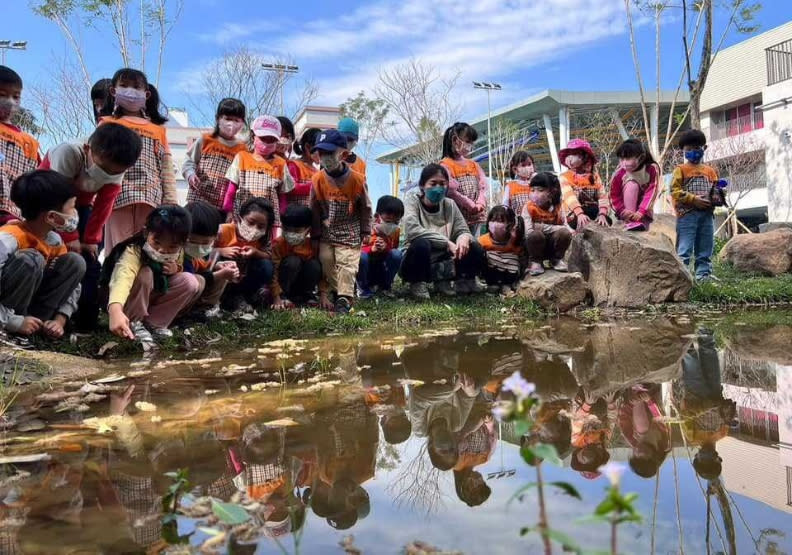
555	290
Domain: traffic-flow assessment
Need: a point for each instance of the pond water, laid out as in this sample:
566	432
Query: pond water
382	442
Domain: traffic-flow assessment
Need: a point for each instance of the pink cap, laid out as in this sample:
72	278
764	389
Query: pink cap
266	126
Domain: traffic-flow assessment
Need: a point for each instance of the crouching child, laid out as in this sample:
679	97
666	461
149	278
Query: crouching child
380	257
294	258
39	278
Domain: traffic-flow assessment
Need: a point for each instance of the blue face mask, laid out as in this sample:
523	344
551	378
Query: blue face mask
694	156
435	195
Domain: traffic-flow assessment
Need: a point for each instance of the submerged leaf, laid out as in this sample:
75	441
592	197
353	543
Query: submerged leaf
145	406
567	488
229	513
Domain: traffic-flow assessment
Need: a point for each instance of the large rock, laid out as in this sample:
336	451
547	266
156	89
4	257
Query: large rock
629	269
555	290
765	253
665	224
772	226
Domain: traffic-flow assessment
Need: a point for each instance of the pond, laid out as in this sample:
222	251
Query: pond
364	444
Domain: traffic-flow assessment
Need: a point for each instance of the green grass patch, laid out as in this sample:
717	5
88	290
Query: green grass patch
736	288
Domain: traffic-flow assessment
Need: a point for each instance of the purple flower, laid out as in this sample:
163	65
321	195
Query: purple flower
518	385
502	410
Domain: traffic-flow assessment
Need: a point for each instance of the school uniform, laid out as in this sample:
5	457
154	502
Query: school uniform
19	153
468	189
209	158
303	182
546	236
250	176
297	269
379	268
516	194
636	191
255	272
502	260
695	227
580	196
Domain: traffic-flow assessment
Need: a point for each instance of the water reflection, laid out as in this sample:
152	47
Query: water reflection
356	435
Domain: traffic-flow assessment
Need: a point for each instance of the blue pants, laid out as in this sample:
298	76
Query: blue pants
378	269
695	236
257	274
87	316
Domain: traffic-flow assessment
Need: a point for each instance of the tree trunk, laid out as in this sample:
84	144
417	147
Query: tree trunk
696	87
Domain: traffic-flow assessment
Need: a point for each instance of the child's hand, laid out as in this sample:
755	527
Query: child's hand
119	323
324	302
30	325
379	245
119	403
462	247
227	270
170	268
73	246
230	252
90	250
583	221
193	181
53	329
701	203
602	220
282	304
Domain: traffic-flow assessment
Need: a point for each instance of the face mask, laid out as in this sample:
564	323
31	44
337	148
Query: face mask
160	257
497	230
130	99
294	238
249	232
386	228
694	156
525	172
262	148
630	164
573	161
330	162
100	177
464	149
435	195
228	128
69	224
196	250
8	107
542	200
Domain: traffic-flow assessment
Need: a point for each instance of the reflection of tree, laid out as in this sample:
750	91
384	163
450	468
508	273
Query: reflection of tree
417	486
767	545
388	456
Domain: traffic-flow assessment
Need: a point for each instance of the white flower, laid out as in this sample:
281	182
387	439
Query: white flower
518	385
502	410
613	471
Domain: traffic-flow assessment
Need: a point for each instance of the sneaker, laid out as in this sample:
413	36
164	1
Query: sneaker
342	305
364	293
162	333
388	293
506	290
536	269
141	333
312	301
707	278
242	307
213	312
445	288
420	291
559	266
468	287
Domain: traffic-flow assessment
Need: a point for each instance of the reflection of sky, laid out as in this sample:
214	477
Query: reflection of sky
494	527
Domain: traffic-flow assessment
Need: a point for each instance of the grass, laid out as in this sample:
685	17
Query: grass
736	288
376	315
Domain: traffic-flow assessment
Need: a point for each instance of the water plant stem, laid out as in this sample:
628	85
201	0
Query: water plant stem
542	511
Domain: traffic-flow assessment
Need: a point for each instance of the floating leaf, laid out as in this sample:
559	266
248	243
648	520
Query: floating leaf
229	513
145	406
18	459
106	347
398	349
109	379
546	452
281	423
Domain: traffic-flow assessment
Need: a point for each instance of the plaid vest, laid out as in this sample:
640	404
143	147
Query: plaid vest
18	155
260	178
216	157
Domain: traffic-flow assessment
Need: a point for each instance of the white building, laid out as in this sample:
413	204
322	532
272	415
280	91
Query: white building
180	137
748	123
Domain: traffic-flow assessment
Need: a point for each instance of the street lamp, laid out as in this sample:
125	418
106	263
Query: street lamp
11	45
489	87
281	69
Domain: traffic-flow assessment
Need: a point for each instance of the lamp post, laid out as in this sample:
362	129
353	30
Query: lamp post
280	69
489	87
11	45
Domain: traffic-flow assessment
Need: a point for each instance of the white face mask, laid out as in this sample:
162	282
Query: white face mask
573	161
197	250
249	232
228	128
97	178
464	149
386	228
130	99
294	238
330	161
70	222
525	172
160	257
8	107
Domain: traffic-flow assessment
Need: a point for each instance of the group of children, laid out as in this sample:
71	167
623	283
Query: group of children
276	221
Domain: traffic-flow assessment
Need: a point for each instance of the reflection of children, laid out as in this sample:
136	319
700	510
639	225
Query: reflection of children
633	186
210	156
467	185
503	249
592	429
546	236
583	194
296	267
247	242
381	258
521	170
477	441
641	425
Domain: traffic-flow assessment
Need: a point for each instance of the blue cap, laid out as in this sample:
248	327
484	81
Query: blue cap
330	141
349	128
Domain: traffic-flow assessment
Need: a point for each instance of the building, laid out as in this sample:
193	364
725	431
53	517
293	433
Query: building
323	117
748	123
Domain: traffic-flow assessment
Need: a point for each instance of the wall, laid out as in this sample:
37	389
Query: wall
778	152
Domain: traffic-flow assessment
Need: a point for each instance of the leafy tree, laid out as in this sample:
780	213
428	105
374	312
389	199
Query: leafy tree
370	113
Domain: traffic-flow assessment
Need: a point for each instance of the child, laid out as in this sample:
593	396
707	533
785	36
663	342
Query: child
18	150
521	170
634	185
306	167
200	258
350	129
691	186
341	219
96	169
503	248
381	258
297	270
151	181
642	425
546	236
39	278
145	278
468	184
99	93
258	174
210	156
283	149
581	187
592	429
247	242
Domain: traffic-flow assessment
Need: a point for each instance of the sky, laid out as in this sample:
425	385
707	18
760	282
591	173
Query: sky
526	46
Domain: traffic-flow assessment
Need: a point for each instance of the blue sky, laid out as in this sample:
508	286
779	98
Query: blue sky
524	45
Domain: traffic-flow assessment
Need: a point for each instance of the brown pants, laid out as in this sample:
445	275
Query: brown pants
123	223
548	243
211	293
339	266
160	309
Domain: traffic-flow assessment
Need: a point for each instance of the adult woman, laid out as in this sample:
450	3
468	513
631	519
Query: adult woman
440	247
